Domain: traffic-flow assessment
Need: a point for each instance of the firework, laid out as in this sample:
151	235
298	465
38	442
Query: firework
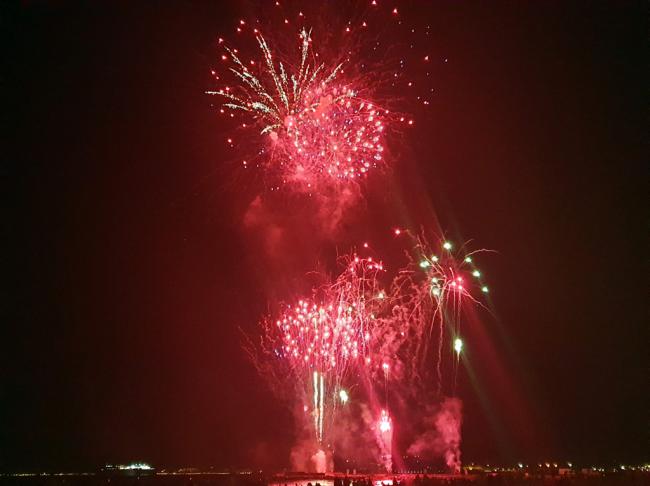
319	340
384	422
376	333
356	331
426	299
385	439
314	118
315	126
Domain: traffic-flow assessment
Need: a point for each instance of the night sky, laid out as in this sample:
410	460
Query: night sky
128	276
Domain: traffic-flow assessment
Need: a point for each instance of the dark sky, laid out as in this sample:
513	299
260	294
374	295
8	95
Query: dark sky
126	273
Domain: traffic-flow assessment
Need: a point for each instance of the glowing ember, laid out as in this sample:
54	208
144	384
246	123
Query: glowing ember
384	422
458	345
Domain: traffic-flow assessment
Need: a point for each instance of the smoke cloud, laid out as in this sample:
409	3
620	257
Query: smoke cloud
443	434
307	456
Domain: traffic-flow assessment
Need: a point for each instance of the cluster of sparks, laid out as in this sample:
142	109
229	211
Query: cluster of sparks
319	119
317	128
429	294
321	342
330	335
354	326
317	335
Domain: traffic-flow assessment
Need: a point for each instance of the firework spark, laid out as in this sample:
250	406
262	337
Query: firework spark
426	300
319	340
317	128
356	329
